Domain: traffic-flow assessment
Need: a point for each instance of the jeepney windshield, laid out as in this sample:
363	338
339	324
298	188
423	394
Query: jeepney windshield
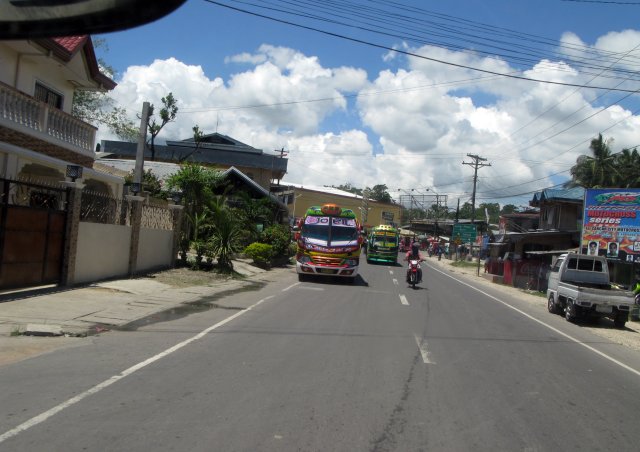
332	230
385	239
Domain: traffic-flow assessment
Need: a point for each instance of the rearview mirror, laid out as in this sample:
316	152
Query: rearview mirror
27	19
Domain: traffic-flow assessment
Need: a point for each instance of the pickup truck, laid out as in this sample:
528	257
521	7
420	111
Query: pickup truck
579	287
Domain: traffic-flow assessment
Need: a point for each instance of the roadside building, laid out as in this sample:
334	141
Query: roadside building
214	150
370	213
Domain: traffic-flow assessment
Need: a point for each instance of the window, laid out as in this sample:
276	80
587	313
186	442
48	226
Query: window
44	94
573	263
556	267
585	264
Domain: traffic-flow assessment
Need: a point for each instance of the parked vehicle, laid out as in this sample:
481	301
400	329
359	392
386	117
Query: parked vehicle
383	243
579	286
328	243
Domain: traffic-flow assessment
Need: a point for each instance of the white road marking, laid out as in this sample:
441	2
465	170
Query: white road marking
125	373
395	281
422	346
391	272
403	300
290	287
530	317
319	289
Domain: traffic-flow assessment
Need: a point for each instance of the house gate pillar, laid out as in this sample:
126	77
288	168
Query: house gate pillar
70	250
136	226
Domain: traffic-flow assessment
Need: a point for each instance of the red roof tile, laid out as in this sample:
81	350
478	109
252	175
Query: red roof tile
71	43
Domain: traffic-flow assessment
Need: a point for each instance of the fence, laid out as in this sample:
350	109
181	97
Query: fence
60	233
122	236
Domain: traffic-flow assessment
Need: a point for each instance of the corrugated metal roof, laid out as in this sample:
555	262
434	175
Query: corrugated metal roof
327	190
575	194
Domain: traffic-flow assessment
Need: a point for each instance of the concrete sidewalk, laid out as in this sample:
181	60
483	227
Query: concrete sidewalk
111	304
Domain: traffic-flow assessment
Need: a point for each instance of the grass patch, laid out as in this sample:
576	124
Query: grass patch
16	331
535	293
466	264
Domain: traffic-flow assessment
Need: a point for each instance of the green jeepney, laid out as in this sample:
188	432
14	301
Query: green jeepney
382	244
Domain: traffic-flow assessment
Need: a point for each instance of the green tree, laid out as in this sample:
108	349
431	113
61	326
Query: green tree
198	135
167	114
465	211
379	192
627	164
493	208
196	184
597	170
150	183
348	187
97	107
509	208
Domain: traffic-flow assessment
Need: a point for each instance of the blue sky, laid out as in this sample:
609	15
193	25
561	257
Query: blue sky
394	119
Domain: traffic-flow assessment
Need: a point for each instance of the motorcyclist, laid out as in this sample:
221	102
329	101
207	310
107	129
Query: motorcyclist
414	254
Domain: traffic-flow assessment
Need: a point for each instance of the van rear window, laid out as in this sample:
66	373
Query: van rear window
572	264
585	264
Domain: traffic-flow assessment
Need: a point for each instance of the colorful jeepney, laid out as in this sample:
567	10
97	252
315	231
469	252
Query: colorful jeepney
328	242
382	244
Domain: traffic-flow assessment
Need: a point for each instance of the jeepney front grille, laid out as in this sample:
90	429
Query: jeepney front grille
329	261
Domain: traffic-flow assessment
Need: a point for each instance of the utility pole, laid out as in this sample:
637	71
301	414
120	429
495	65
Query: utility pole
477	163
142	139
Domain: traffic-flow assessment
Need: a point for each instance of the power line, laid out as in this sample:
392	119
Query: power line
415	55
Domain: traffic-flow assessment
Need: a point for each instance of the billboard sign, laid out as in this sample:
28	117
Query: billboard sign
464	233
611	223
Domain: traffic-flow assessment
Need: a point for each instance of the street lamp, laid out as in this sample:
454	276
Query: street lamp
74	172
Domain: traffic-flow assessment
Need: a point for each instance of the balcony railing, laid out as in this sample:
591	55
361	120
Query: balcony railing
29	114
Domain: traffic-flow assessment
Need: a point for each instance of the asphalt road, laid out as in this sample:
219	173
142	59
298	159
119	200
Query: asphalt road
324	366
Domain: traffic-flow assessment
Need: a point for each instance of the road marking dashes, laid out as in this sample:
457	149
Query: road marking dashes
422	346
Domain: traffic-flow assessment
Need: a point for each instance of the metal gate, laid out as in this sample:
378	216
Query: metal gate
32	233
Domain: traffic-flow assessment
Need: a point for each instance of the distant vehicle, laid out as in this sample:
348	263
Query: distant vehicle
579	287
328	243
383	243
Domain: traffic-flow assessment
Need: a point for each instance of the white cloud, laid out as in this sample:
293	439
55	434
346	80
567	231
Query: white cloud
422	122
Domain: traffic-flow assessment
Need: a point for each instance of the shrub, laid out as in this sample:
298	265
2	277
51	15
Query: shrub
261	253
279	237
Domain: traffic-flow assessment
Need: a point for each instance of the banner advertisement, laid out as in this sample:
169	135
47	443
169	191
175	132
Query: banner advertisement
611	223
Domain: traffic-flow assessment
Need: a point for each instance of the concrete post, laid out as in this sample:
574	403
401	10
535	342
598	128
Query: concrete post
70	250
136	225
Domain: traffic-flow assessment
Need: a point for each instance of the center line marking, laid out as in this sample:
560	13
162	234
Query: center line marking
391	272
422	346
395	281
403	300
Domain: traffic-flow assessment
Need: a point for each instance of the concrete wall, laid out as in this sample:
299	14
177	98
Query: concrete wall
103	252
155	249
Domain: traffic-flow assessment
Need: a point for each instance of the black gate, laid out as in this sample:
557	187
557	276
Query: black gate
32	233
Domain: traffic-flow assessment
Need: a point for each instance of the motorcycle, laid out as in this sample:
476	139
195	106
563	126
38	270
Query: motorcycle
413	272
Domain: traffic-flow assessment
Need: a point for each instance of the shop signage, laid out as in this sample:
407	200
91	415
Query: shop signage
611	223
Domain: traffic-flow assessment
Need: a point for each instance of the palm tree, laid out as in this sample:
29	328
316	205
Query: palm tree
597	171
627	163
225	238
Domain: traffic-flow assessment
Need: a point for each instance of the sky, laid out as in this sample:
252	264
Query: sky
368	92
